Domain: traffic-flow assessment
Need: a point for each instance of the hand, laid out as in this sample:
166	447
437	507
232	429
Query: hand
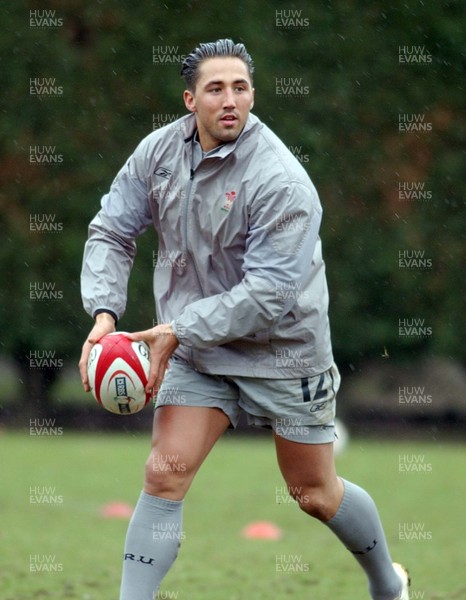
162	343
104	324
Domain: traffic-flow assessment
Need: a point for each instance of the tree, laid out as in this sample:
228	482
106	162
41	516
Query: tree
85	86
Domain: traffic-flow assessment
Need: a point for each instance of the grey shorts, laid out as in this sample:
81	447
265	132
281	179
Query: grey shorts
300	410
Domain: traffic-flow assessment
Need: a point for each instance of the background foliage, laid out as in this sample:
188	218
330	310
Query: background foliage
346	128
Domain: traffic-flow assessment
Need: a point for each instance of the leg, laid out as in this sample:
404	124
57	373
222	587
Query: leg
345	508
182	438
309	472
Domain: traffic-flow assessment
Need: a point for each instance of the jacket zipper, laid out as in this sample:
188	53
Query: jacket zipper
188	252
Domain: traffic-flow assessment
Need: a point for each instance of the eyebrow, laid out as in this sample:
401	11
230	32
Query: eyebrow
221	82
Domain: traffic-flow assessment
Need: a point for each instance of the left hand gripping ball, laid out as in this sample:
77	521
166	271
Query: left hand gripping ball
118	370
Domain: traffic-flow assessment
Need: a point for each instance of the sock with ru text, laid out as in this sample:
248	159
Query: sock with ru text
152	541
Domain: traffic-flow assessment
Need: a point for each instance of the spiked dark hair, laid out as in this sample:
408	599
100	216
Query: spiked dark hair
220	48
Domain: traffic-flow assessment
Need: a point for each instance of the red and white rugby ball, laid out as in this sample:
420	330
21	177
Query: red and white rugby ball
118	370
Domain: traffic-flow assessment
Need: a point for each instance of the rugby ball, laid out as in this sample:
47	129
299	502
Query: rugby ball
118	370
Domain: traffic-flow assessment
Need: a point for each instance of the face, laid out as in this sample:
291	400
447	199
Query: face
221	101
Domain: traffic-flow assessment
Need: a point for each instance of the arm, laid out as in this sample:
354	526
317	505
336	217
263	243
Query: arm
110	249
109	254
282	236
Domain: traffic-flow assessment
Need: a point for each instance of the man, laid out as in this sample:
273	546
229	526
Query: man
243	307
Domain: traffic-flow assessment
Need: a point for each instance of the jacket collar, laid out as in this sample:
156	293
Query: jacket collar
188	129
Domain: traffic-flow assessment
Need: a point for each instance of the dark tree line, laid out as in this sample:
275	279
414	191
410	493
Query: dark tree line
369	98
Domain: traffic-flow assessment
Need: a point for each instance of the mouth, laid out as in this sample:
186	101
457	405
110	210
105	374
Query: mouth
229	120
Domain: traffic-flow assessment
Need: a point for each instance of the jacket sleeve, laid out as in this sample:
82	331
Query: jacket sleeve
110	249
282	236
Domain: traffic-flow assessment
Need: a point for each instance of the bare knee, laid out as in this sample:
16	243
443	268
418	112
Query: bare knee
167	475
318	502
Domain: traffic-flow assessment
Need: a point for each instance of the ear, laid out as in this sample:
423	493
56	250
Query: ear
252	102
189	101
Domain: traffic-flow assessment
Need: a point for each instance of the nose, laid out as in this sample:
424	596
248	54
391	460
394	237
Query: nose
229	98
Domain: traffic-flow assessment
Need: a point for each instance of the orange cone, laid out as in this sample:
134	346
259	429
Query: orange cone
262	530
116	510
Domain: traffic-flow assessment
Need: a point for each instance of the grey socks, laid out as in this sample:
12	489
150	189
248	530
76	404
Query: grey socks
152	542
357	525
155	532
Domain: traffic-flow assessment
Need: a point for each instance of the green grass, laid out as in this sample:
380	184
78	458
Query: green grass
236	486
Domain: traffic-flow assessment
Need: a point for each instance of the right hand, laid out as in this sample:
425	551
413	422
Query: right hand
104	324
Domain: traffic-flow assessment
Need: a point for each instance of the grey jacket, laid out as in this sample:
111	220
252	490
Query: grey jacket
239	271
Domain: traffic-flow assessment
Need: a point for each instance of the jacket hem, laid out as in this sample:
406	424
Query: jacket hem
261	372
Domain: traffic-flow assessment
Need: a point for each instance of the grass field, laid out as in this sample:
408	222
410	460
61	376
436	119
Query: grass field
239	483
